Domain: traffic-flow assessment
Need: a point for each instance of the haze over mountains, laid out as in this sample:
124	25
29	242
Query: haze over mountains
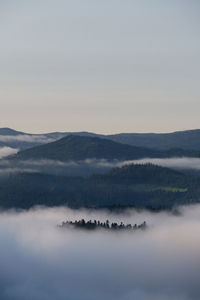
76	170
88	170
189	139
82	146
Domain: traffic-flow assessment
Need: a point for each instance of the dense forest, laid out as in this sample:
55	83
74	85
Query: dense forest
140	186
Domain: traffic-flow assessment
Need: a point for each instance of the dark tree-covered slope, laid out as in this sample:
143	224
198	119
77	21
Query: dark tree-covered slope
146	174
75	147
134	186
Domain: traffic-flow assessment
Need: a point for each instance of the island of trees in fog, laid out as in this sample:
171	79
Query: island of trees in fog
92	225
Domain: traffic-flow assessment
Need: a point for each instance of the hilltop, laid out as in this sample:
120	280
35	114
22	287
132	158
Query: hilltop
74	147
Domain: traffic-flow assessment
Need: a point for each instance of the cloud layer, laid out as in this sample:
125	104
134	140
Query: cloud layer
5	151
88	166
26	138
177	163
40	261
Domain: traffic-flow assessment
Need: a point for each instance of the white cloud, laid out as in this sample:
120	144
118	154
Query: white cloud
25	138
178	163
5	151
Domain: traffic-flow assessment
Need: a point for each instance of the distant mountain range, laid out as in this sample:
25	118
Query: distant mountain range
188	140
22	185
77	148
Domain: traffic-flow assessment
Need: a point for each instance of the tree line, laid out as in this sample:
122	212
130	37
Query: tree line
92	225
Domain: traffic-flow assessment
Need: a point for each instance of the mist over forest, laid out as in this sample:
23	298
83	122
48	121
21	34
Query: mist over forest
88	166
41	177
84	170
41	261
99	150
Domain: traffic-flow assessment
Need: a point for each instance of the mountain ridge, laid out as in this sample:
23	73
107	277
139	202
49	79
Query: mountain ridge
186	139
75	147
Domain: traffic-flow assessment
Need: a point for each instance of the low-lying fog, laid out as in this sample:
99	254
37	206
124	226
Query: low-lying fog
41	139
90	166
5	151
39	261
174	162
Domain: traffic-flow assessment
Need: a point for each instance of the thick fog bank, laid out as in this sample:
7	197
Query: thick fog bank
42	262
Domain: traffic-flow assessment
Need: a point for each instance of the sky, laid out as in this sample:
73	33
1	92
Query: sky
104	66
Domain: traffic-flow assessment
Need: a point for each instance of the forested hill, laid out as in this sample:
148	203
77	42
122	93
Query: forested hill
75	147
146	174
133	186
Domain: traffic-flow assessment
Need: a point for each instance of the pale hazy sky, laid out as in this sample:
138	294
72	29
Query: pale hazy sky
100	65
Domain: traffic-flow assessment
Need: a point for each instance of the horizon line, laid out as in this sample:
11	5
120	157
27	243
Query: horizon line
97	133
